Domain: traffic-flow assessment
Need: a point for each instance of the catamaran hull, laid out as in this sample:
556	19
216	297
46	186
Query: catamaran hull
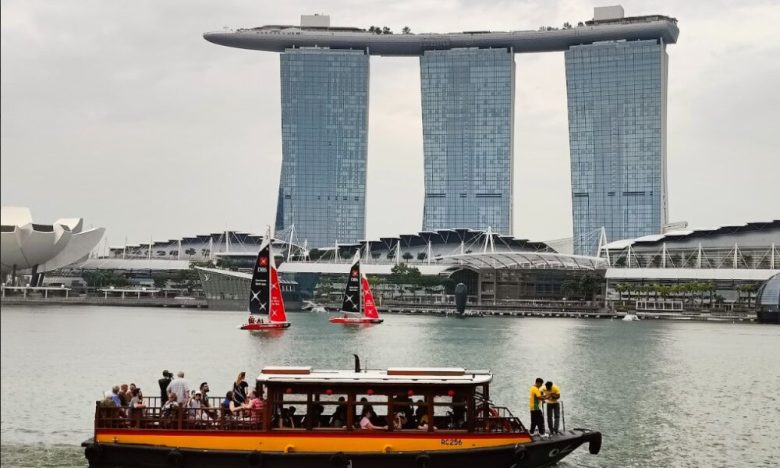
354	321
265	326
539	453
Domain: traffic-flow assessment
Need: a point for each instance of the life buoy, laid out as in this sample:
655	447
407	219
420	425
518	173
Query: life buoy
93	454
255	460
520	454
175	458
423	460
338	460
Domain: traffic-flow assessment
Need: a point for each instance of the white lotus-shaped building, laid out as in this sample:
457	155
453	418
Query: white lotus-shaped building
38	248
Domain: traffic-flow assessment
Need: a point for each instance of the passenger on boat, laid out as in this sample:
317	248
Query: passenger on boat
171	407
107	401
124	395
137	400
535	400
287	419
225	405
458	411
339	417
399	421
115	395
404	403
420	412
315	416
239	389
136	406
366	406
204	403
180	387
235	410
195	406
255	406
365	419
164	382
553	394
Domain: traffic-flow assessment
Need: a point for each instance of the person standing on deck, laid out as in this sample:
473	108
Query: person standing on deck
535	405
164	382
552	394
181	388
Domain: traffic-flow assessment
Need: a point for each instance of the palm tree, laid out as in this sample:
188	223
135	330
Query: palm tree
621	288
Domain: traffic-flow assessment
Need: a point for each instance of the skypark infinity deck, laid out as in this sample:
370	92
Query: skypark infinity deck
277	38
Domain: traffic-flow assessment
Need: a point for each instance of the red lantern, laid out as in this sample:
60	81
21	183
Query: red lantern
288	390
451	393
410	393
370	392
328	392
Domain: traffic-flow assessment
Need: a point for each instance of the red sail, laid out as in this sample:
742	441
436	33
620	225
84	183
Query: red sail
276	314
369	307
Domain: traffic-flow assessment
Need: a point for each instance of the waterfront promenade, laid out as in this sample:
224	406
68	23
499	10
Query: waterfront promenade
542	309
189	302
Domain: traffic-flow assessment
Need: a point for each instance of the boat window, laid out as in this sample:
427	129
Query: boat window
371	405
327	410
288	409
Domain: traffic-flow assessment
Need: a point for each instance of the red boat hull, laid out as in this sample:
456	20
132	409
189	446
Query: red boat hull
265	326
354	320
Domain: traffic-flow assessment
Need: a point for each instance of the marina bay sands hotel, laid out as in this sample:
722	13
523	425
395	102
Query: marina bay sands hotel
616	84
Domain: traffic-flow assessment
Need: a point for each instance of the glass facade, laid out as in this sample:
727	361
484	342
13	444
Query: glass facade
468	120
617	136
322	189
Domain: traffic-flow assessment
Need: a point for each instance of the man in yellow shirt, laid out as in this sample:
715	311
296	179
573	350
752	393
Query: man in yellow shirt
552	394
535	405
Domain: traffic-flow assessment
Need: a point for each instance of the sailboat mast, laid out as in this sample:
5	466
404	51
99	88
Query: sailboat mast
360	287
270	272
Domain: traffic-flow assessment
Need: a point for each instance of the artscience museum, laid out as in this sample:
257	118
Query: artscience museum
30	248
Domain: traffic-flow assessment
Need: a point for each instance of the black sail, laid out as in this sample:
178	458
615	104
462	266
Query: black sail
352	293
259	289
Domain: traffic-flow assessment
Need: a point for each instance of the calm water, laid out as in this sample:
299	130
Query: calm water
662	393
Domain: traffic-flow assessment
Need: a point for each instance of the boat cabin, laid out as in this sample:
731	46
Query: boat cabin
396	399
408	399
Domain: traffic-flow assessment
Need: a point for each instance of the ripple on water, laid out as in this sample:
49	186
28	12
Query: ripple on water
662	393
40	455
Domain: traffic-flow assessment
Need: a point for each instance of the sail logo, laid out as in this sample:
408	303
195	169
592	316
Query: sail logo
262	261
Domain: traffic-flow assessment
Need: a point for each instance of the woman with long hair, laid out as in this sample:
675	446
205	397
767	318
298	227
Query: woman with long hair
239	389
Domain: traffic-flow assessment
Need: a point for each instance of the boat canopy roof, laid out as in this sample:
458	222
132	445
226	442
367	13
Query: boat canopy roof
391	376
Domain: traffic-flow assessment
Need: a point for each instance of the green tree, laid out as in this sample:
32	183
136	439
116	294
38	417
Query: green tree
104	279
406	30
407	256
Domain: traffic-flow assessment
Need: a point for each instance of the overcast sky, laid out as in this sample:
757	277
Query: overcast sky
121	113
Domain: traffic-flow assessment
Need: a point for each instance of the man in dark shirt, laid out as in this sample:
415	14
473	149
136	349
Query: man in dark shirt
164	382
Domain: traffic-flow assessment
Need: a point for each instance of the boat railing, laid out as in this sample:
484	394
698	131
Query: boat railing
153	416
498	419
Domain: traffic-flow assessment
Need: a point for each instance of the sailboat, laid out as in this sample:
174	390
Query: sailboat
358	306
266	306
